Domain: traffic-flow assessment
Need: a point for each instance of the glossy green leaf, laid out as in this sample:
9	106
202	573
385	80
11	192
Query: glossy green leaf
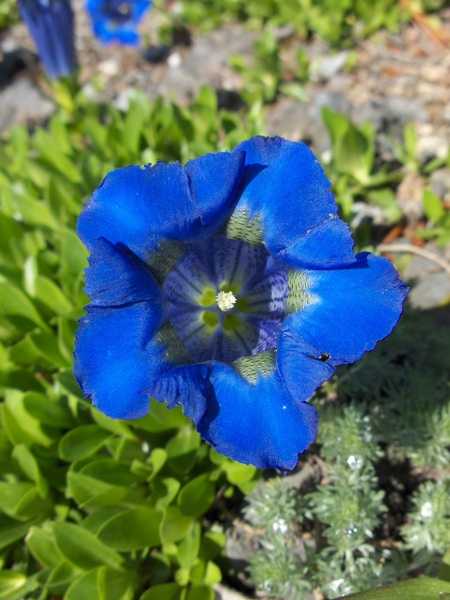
444	570
90	493
237	472
197	496
61	577
29	466
132	529
165	490
182	449
50	294
82	442
200	592
42	545
165	591
82	549
432	206
160	418
175	525
47	411
13	302
189	547
102	584
10	583
21	500
20	425
12	530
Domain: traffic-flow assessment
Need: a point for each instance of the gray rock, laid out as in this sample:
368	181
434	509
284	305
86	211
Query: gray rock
289	119
440	183
402	110
331	65
430	285
371	111
207	64
22	102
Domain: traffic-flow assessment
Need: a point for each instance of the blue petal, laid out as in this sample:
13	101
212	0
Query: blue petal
354	308
115	276
185	385
142	206
302	368
214	180
118	358
259	424
287	189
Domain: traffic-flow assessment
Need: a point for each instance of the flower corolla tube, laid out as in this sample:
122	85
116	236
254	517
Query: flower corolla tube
51	24
117	20
230	287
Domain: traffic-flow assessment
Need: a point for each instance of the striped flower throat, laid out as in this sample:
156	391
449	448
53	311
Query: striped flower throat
226	299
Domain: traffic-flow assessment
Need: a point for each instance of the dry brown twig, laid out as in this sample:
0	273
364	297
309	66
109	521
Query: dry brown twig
408	248
440	37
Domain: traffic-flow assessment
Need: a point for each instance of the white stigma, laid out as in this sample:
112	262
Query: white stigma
225	300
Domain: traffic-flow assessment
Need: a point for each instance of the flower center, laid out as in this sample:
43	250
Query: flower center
226	299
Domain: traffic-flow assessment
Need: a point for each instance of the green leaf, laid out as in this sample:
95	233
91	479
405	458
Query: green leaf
433	207
48	412
165	491
42	545
156	460
200	592
160	418
82	549
21	426
237	472
82	442
132	529
111	471
189	547
22	500
13	302
52	153
10	583
30	468
422	588
444	570
47	347
30	211
197	496
175	525
61	577
165	591
90	493
353	149
113	425
47	292
102	584
11	531
182	449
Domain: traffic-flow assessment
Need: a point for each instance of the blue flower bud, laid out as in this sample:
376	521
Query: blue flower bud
51	24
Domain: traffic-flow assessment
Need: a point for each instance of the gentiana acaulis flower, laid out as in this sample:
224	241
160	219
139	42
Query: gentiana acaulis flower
117	20
51	24
230	287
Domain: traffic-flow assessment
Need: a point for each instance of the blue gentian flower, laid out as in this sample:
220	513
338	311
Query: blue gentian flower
51	24
228	286
117	20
